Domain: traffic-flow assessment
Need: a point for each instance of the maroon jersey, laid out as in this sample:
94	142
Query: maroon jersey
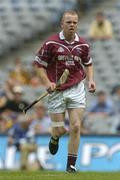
57	54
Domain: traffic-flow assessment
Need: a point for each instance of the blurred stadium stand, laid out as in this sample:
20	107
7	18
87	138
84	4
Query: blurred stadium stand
105	53
23	21
24	24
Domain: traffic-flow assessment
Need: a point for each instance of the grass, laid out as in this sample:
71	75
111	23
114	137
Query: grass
53	175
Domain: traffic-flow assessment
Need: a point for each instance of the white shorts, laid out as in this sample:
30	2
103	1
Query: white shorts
73	97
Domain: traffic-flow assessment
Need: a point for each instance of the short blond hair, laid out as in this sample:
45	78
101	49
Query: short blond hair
71	12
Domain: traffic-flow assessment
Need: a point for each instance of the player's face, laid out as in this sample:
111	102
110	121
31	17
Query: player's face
69	24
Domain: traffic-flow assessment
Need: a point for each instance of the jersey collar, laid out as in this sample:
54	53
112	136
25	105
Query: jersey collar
62	37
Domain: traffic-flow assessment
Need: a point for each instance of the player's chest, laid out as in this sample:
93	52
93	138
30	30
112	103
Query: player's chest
68	54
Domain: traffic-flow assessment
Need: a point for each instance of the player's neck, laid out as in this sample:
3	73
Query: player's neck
69	37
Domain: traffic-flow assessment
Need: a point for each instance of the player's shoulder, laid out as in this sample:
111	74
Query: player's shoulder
47	43
53	38
83	41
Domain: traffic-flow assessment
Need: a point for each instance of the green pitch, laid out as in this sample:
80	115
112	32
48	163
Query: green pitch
52	175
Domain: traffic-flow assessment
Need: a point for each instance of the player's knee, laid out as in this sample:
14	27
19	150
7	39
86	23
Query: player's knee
75	128
59	131
62	131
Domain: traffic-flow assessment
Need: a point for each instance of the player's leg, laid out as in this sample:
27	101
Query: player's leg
76	105
56	109
75	116
58	130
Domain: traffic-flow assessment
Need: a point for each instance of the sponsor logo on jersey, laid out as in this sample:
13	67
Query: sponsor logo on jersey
79	50
69	58
60	49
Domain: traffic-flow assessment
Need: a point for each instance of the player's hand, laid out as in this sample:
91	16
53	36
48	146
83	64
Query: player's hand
91	86
51	87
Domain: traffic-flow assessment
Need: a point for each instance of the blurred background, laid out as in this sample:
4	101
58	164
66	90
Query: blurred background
24	25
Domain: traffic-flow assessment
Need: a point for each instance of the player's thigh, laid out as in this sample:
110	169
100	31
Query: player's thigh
76	116
57	117
56	103
76	96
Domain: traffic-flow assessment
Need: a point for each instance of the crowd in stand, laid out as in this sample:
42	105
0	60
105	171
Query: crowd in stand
101	117
12	99
12	103
12	93
102	114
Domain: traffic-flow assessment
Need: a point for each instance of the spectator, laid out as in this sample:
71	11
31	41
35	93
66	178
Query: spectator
36	79
3	100
35	82
102	105
8	88
116	98
99	119
3	125
6	121
42	122
19	73
17	104
101	28
23	139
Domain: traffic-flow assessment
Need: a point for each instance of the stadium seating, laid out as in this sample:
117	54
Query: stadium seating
98	124
22	20
105	53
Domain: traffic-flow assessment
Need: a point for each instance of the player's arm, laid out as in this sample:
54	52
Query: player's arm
45	79
42	60
90	78
87	62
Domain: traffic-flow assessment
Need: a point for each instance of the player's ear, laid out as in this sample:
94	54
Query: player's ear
61	24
